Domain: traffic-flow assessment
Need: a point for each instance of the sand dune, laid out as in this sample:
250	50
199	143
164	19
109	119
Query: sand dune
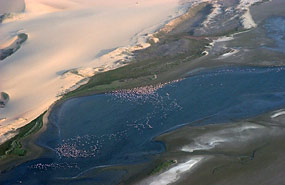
70	35
8	42
11	6
74	35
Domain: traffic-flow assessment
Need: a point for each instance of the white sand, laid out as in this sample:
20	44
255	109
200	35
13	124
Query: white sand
204	143
243	7
215	12
65	35
246	18
277	114
228	54
173	174
213	139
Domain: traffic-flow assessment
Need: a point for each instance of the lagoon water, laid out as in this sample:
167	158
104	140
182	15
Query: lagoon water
88	133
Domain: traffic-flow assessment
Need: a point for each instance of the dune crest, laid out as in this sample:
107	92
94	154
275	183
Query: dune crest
66	45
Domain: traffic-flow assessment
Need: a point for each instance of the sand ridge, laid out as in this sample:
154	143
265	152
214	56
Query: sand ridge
64	46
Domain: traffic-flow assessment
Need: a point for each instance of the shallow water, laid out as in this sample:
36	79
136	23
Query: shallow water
112	129
275	27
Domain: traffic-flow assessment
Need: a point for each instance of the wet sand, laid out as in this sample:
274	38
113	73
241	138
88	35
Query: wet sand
254	158
49	63
245	152
232	160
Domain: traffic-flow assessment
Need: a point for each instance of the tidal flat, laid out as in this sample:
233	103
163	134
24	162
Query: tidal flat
90	138
242	152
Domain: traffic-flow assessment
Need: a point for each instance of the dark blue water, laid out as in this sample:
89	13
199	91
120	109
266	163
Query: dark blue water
89	132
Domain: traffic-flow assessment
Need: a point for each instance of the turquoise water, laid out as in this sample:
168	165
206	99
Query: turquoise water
87	133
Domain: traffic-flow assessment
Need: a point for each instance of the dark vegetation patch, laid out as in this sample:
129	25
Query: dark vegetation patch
13	146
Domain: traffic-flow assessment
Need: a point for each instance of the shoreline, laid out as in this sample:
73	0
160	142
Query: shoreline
33	150
169	26
32	147
29	142
221	157
59	71
62	100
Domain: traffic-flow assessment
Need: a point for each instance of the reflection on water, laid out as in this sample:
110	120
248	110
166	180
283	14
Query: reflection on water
91	132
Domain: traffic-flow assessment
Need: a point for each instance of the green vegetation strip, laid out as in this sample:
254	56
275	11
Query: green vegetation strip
162	166
140	73
14	146
154	65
